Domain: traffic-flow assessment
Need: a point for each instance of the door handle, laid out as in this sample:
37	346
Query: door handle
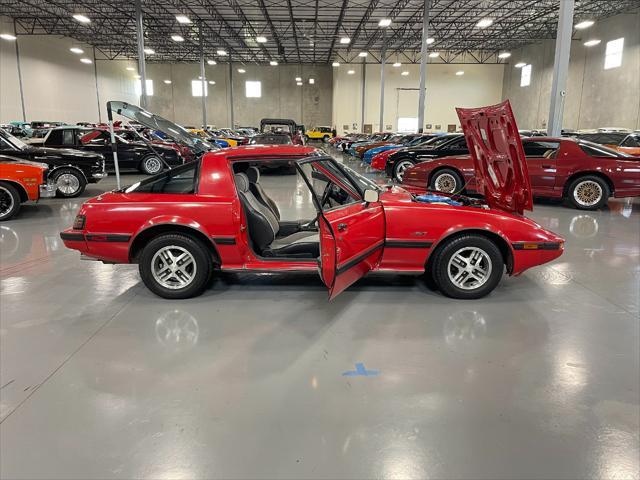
342	226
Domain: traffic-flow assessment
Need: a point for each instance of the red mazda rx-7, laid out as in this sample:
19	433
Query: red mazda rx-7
184	225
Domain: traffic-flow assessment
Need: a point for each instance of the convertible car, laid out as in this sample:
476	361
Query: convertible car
584	173
185	224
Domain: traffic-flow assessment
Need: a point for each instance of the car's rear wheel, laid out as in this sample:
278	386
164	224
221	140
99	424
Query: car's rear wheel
447	181
70	183
151	165
468	267
9	201
588	193
400	168
175	266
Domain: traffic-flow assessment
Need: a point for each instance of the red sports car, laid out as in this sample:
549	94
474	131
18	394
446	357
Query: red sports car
585	173
185	224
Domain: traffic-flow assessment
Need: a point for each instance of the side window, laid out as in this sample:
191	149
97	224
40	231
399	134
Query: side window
461	144
68	137
540	149
55	137
180	180
330	186
631	142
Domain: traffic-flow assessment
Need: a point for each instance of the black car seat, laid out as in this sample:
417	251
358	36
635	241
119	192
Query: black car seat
253	174
263	228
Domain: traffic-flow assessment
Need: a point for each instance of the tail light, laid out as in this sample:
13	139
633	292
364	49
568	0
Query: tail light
78	223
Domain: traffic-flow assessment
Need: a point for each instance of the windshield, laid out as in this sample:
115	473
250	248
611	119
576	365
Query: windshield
363	182
14	142
438	141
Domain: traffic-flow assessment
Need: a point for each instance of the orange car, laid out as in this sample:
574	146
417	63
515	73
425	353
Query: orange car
21	181
630	145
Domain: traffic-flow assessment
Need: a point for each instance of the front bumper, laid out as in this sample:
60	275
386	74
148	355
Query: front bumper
47	190
99	175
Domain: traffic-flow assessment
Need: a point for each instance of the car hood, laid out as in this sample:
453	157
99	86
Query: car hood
498	157
63	153
20	161
156	122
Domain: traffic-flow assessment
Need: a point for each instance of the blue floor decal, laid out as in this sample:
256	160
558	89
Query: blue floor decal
360	371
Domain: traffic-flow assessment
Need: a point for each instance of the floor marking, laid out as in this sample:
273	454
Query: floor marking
360	371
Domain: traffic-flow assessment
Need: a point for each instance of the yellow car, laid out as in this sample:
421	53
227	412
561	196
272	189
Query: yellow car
319	133
206	136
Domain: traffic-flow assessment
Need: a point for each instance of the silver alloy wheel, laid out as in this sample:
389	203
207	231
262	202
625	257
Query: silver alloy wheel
68	183
6	202
587	193
153	165
469	268
401	168
173	267
445	182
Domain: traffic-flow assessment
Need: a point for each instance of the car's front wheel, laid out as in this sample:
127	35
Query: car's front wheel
151	165
468	267
447	181
70	183
400	168
175	266
588	193
9	201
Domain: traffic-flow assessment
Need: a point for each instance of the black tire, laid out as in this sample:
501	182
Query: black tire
399	167
70	182
325	138
447	181
151	165
201	258
588	192
306	139
441	269
9	201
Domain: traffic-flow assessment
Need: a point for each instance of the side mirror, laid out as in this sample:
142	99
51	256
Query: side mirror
371	196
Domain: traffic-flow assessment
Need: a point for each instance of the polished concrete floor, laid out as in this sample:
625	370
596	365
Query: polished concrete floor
261	377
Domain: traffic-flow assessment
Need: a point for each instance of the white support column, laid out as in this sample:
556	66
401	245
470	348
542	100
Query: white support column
423	65
141	61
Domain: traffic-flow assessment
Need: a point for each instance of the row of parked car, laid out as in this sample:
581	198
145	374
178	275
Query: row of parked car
583	168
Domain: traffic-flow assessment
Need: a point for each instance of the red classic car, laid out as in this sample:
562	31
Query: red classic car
585	173
185	224
22	181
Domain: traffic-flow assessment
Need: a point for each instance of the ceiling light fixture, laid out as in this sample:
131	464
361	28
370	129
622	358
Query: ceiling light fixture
261	39
519	64
298	79
405	73
211	62
335	64
584	24
7	36
345	40
273	63
131	69
311	81
222	53
592	43
76	50
484	23
81	18
397	64
177	38
430	40
434	54
242	70
212	82
86	60
183	19
363	54
385	22
504	55
459	73
168	82
299	84
351	72
149	51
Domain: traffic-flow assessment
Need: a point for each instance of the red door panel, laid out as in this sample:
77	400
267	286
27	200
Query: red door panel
351	243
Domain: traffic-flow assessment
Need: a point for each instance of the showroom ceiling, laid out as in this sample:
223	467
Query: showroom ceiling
303	31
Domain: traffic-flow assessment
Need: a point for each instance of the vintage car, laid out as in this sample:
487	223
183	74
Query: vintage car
22	181
186	224
69	169
584	173
411	140
319	133
285	126
443	146
133	152
377	139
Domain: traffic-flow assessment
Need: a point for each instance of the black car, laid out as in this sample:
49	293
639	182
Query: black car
70	169
443	146
133	152
270	139
603	138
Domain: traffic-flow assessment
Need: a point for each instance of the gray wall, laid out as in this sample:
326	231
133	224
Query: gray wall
595	97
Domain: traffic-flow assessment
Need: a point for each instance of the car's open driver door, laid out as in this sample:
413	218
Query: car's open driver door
351	233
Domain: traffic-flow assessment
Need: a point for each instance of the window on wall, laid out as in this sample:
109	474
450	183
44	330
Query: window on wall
613	53
148	83
253	89
525	76
407	124
196	88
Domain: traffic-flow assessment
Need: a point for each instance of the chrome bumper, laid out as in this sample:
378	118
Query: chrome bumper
48	190
99	175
